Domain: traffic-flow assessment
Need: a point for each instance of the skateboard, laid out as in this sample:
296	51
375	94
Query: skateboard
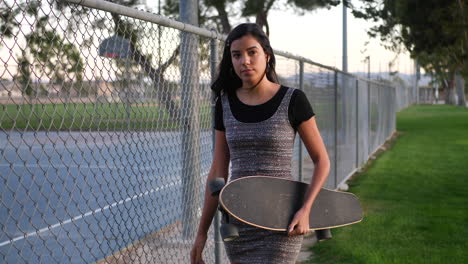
271	203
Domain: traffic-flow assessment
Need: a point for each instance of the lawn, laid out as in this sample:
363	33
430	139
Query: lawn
93	116
415	196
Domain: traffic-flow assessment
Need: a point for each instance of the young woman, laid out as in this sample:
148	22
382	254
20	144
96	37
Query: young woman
256	123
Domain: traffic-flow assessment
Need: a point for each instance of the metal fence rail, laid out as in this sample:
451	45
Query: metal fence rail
106	131
427	96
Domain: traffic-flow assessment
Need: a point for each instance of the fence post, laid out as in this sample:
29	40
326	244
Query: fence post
369	121
379	123
336	131
190	119
357	123
213	65
301	87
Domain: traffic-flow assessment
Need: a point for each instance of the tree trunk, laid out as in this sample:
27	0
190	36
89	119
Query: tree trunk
164	96
223	15
460	84
452	97
262	21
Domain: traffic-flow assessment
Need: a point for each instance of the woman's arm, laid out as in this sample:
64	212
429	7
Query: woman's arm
219	168
312	139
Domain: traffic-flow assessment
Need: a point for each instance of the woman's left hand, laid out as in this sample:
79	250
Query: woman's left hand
300	223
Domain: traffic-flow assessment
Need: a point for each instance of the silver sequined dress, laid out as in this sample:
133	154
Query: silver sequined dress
261	148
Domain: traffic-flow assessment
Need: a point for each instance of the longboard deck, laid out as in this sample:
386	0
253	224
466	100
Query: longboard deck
270	203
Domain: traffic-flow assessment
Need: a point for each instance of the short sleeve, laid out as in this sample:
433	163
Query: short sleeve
219	123
300	109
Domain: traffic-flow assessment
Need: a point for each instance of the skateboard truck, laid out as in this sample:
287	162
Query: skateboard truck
228	231
323	234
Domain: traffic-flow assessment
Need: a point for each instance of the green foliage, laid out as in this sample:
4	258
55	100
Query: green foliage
219	14
59	60
423	25
414	196
207	16
24	75
312	5
434	32
46	50
252	8
8	24
55	58
171	8
126	29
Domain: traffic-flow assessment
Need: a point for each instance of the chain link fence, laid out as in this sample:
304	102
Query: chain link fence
427	95
106	131
406	94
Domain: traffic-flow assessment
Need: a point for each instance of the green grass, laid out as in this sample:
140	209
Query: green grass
415	196
92	117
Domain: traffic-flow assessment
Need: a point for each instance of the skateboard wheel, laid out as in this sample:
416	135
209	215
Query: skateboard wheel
322	235
229	232
216	185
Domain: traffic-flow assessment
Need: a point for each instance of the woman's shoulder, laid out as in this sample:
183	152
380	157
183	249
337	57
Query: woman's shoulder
296	93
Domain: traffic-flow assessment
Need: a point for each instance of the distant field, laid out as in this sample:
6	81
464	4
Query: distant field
414	196
92	117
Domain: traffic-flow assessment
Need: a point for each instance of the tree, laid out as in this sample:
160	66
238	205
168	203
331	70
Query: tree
434	32
219	13
24	75
45	50
48	50
127	30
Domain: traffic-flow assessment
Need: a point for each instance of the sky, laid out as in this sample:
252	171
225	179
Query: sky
318	35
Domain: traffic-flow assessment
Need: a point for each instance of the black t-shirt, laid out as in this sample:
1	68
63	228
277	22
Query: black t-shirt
299	109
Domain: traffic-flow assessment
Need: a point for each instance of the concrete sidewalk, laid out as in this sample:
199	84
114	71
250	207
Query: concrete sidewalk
310	239
306	254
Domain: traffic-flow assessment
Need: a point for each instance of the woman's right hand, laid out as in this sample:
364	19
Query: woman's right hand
196	254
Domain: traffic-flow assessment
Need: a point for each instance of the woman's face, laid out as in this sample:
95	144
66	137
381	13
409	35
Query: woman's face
248	59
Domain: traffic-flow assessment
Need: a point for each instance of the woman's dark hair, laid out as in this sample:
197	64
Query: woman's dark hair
227	79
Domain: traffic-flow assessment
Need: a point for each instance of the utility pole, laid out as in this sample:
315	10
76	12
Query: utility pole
189	123
345	39
159	35
368	68
344	90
